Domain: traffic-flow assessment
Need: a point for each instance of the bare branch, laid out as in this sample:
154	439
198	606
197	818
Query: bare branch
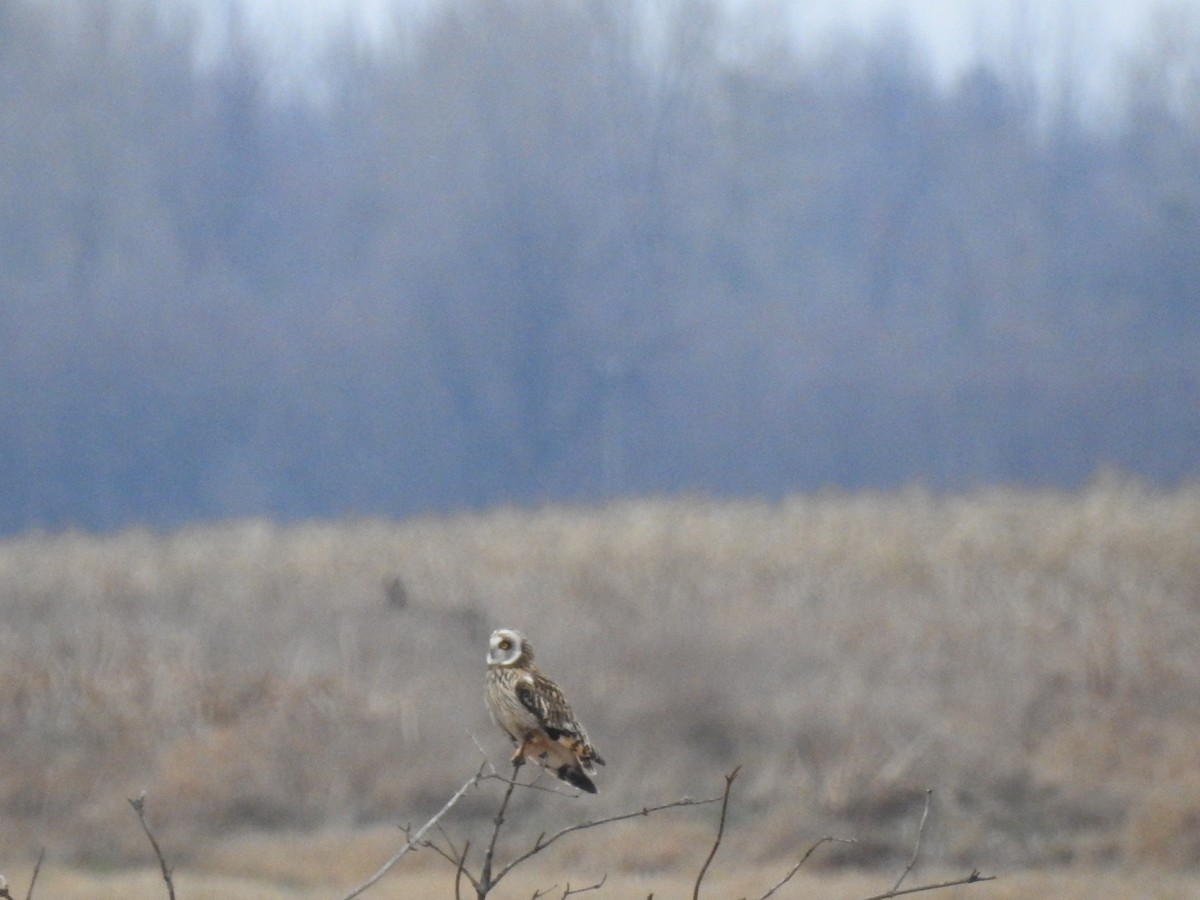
462	870
490	873
139	806
583	890
973	878
415	839
478	746
543	842
458	861
720	831
37	867
569	891
803	859
917	846
531	785
485	874
454	854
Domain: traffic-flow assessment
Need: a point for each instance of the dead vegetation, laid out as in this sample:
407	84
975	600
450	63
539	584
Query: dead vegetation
1030	655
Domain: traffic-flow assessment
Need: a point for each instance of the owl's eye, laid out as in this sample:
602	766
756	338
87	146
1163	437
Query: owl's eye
505	644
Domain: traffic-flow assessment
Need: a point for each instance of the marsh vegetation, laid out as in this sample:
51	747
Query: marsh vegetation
1029	655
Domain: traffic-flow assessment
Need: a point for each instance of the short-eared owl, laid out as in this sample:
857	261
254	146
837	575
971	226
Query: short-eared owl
535	714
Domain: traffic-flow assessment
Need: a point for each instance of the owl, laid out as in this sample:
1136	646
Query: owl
534	713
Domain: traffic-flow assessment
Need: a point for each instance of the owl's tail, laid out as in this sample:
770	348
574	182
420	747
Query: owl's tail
573	774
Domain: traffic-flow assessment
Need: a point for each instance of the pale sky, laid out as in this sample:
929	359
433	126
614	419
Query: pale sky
1090	37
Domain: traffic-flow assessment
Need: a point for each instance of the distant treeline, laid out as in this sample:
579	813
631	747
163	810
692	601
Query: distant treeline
550	249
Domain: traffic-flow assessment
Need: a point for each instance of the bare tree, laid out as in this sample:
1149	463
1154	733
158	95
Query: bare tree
484	872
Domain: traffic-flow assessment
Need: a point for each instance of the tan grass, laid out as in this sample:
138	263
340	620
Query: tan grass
63	883
1028	654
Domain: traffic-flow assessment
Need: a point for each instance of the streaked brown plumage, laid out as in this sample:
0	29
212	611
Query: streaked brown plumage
534	713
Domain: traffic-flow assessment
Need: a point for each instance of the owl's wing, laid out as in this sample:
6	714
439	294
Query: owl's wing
542	697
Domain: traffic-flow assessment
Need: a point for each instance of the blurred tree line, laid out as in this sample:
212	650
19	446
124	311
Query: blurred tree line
548	250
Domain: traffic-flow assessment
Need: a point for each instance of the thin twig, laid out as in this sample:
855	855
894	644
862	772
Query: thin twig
462	870
139	806
449	842
37	867
569	891
973	878
543	842
803	859
454	860
485	874
415	839
478	746
531	785
583	890
459	859
917	846
720	831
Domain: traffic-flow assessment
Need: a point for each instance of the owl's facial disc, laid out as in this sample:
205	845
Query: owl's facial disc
504	648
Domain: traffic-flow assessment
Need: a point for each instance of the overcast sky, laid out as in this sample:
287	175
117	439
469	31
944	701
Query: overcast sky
1092	37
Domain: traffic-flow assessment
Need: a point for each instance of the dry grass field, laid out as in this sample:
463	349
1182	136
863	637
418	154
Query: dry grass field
286	696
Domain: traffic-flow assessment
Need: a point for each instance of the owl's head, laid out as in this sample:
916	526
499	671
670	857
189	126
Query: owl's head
508	647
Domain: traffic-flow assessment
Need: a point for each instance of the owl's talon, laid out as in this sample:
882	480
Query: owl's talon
518	757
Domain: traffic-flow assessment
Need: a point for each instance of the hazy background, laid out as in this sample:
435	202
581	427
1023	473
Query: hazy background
923	285
426	257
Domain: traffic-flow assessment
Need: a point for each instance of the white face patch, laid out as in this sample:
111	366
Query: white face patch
505	647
